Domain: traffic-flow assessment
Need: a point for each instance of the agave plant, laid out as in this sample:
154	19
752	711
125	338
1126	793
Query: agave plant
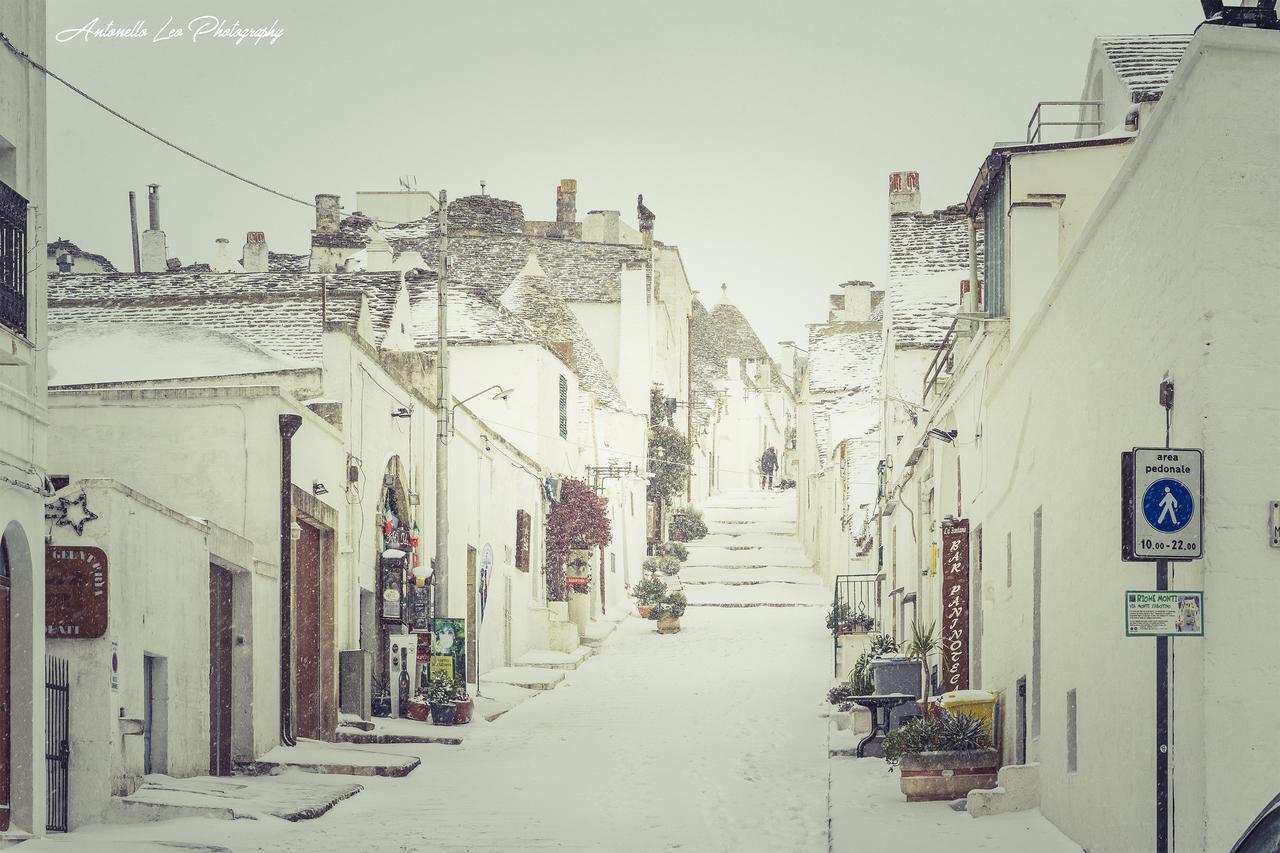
923	643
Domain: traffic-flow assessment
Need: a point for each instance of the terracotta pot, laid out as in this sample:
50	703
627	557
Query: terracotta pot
669	625
442	715
462	712
947	775
644	611
417	709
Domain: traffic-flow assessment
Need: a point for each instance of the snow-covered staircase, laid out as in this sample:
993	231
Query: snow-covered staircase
750	556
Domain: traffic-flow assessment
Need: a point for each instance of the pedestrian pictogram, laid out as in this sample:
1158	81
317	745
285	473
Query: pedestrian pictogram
1168	505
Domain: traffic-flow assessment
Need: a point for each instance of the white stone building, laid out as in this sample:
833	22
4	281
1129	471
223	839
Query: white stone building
1114	263
23	421
838	444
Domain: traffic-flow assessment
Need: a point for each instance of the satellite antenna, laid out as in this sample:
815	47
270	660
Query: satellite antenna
408	183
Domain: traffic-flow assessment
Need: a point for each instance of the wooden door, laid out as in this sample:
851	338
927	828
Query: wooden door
473	624
5	595
220	641
313	619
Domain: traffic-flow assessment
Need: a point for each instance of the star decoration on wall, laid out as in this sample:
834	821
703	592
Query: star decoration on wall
71	513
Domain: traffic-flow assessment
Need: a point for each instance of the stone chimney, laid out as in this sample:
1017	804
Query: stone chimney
253	257
152	248
857	302
788	360
764	374
222	260
567	202
904	192
646	217
327	214
153	207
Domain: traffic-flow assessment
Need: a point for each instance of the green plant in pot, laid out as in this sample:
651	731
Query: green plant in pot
688	525
668	611
442	696
462	702
943	757
649	592
673	549
924	642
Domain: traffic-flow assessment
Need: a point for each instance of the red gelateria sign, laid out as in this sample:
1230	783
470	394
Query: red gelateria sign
75	592
955	606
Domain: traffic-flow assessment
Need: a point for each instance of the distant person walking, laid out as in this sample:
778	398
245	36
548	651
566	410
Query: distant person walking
768	464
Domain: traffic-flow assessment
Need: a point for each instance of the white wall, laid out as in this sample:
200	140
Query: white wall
1167	279
158	604
23	410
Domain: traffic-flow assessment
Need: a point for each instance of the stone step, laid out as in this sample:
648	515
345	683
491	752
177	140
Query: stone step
547	659
528	677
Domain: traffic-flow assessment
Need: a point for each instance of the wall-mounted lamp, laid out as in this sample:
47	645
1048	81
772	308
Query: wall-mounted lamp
402	412
503	394
318	488
947	435
487	447
295	531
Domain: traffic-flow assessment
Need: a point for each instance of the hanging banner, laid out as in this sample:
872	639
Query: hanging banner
448	649
955	607
75	593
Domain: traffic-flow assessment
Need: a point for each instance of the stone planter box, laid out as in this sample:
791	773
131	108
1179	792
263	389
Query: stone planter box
897	675
669	625
947	775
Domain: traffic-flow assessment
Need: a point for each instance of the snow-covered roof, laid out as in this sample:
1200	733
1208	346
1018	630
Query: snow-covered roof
280	313
928	258
107	351
488	248
474	316
284	262
61	247
1144	63
843	383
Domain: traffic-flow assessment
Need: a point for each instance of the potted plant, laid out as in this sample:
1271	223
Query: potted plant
942	757
924	642
463	704
417	708
649	592
579	522
669	610
440	695
839	618
672	549
687	525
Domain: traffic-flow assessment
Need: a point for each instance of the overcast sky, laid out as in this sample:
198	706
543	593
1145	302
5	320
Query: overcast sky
760	134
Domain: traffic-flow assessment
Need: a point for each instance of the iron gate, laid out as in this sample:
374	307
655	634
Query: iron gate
57	746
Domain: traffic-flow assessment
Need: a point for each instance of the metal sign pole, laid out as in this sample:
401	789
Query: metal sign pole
1162	723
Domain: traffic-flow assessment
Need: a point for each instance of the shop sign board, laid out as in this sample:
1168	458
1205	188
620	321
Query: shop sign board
1164	613
955	606
75	583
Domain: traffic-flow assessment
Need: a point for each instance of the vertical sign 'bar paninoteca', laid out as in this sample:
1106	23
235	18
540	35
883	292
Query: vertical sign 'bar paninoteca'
955	606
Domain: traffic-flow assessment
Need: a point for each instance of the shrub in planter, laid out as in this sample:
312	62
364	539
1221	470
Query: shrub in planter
673	549
860	676
649	592
463	703
942	757
668	612
840	615
441	696
688	525
651	564
669	566
842	696
579	521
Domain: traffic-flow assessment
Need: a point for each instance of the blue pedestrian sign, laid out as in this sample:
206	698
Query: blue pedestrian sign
1166	504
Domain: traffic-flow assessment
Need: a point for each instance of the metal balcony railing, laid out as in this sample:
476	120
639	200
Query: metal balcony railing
943	362
13	260
1037	123
856	607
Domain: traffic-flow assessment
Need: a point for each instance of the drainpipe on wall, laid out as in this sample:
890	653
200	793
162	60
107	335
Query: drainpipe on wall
289	424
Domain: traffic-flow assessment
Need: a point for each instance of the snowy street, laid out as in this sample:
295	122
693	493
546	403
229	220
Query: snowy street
707	740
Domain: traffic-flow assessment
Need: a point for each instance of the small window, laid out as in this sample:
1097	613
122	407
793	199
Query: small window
13	261
564	407
1071	731
1008	560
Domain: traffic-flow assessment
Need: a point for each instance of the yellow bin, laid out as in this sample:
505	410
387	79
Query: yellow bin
978	703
